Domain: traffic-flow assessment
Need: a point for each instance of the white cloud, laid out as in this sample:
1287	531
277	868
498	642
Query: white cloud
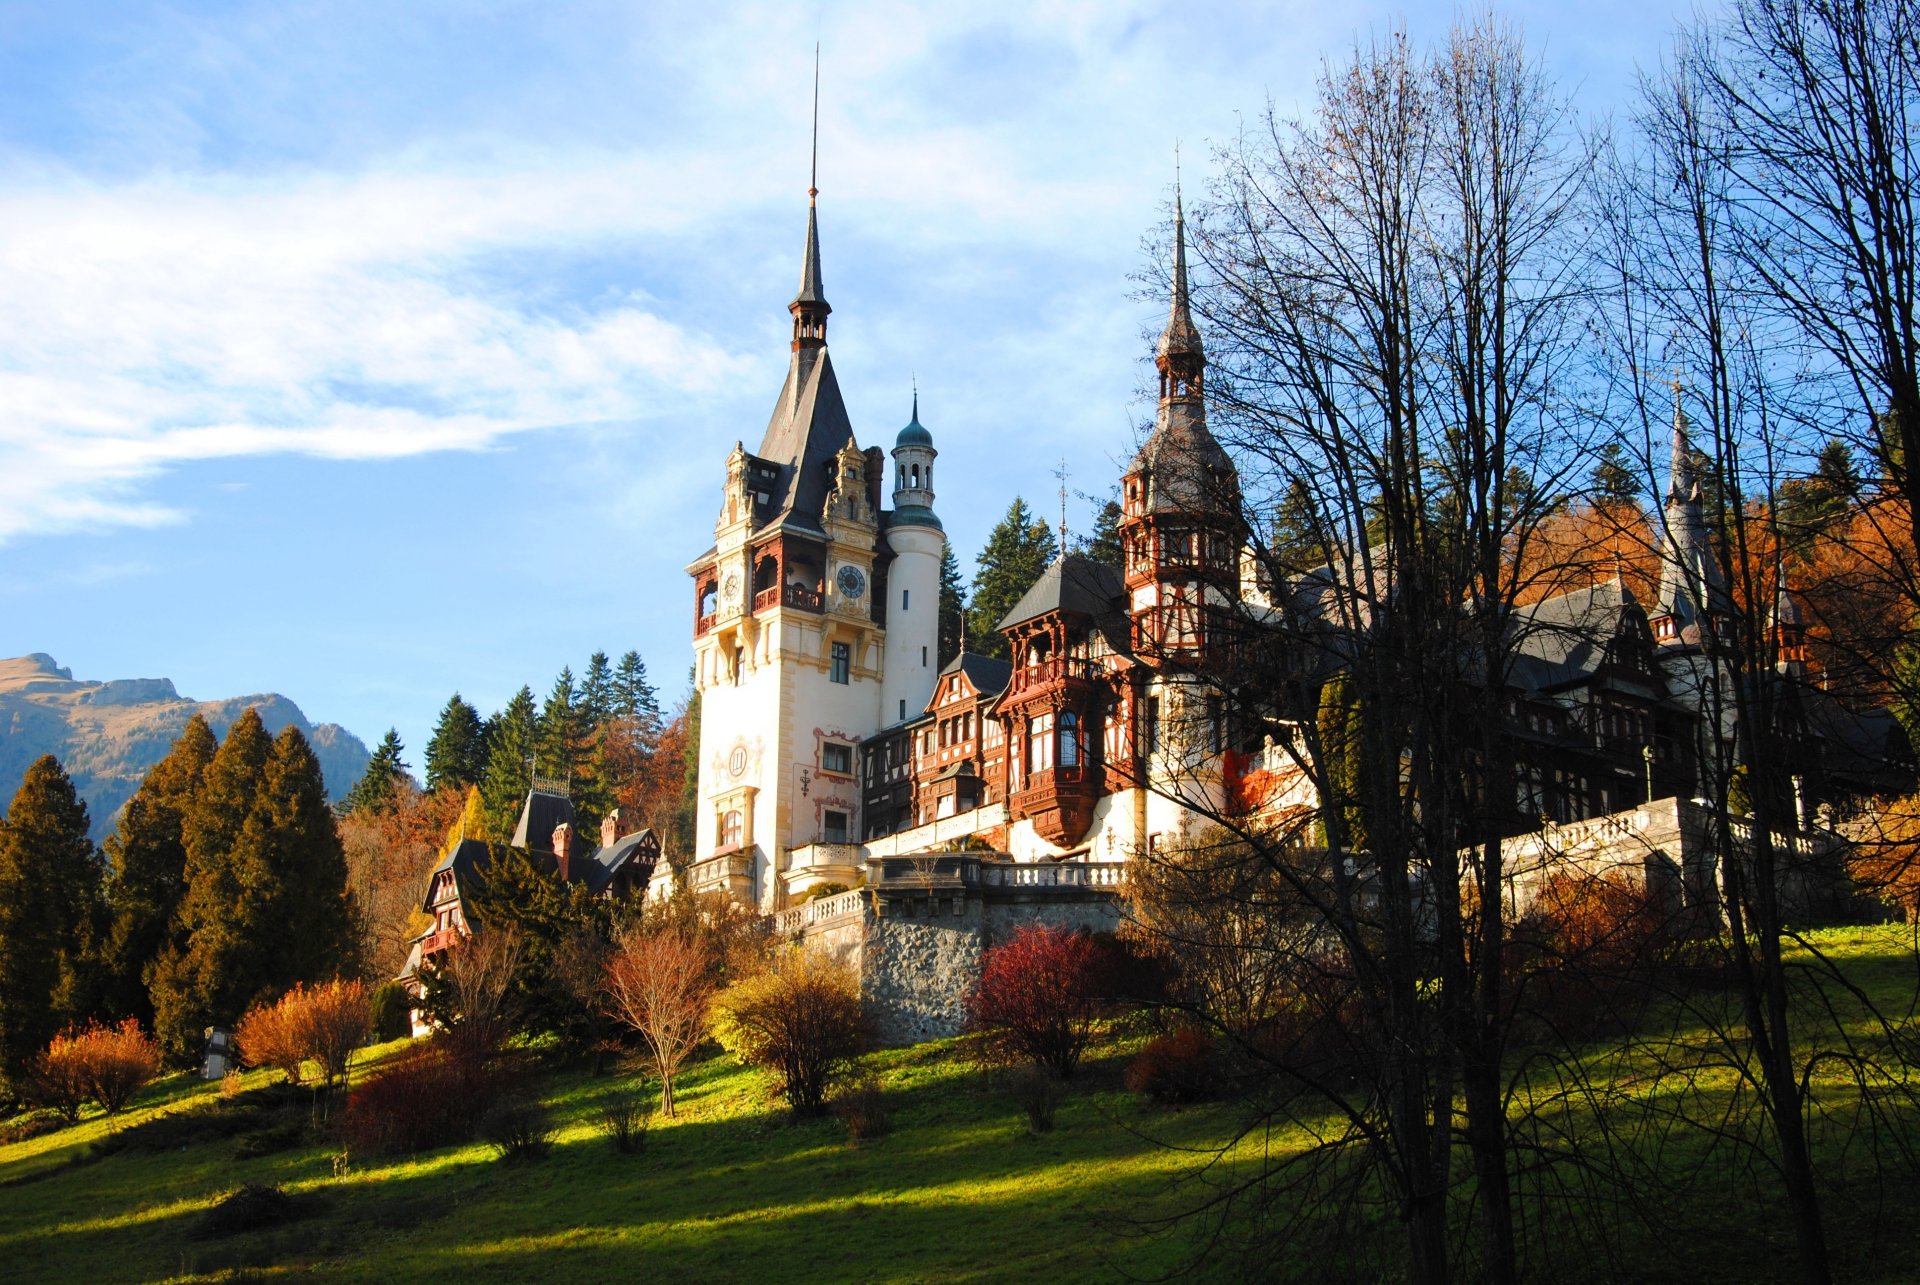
177	319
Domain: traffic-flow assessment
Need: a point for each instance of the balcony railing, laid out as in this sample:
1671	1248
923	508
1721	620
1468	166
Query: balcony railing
820	910
767	597
704	625
803	598
1065	874
1055	669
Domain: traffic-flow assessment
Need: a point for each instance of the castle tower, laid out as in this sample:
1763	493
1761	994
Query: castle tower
788	643
1180	527
917	542
1691	586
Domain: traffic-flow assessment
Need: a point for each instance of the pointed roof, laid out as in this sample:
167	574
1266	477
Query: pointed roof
1181	337
915	433
810	288
804	436
1074	583
985	674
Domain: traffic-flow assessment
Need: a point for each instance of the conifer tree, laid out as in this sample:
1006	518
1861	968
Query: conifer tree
1017	551
197	974
510	753
953	607
303	922
633	695
50	915
147	860
457	751
596	693
1104	546
557	738
1614	481
378	787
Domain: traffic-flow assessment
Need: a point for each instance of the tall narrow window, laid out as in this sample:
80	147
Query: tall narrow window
1040	743
923	658
730	825
905	596
903	711
1152	721
1069	739
833	827
842	664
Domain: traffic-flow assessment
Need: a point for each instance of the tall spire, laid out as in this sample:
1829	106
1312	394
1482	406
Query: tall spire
1180	356
1681	483
809	306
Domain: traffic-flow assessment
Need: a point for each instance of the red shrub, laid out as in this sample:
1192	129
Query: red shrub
1037	996
1585	957
325	1024
1180	1067
106	1063
429	1097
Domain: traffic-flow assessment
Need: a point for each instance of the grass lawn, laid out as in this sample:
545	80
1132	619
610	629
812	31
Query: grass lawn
960	1190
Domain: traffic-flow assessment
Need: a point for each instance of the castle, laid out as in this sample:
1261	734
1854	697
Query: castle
831	740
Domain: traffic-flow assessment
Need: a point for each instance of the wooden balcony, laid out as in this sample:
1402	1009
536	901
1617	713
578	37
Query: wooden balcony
703	625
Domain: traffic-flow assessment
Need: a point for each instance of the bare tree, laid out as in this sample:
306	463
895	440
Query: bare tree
661	983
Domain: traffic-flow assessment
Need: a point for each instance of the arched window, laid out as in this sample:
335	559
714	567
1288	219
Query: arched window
1069	739
709	599
730	828
914	472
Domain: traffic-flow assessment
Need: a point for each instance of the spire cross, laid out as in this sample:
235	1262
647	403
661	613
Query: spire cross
1061	473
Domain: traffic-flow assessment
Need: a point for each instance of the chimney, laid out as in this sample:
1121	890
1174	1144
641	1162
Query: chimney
562	842
610	828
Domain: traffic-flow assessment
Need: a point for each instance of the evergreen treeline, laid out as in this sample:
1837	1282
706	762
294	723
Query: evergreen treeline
224	883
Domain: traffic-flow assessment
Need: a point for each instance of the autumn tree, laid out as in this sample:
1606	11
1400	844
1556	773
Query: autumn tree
50	916
147	860
388	857
661	984
801	1019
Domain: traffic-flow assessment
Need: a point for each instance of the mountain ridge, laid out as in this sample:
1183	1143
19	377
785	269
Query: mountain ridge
107	733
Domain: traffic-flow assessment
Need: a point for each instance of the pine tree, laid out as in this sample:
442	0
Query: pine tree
147	857
197	975
510	753
633	695
457	751
50	915
1614	482
1104	546
1810	505
1017	551
379	786
596	693
557	739
953	607
304	923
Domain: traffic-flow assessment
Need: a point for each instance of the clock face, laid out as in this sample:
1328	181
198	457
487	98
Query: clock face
737	761
852	583
730	587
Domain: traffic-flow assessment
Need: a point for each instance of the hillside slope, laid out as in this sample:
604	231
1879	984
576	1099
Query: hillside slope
107	734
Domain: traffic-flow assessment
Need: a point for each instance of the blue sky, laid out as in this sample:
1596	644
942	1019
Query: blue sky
368	351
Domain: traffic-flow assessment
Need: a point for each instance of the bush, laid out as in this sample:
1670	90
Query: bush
325	1024
431	1096
862	1107
1038	1093
519	1128
28	1127
248	1209
390	1011
801	1019
1037	996
828	889
624	1118
108	1064
1178	1067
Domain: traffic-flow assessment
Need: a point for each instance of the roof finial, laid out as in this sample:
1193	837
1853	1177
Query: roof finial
813	169
1180	342
915	376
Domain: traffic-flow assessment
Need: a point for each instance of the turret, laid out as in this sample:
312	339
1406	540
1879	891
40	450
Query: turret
1180	528
913	580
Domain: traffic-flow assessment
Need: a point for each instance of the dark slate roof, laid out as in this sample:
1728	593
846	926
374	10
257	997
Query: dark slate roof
1185	469
1565	638
810	288
599	869
808	427
1074	583
468	860
539	816
988	676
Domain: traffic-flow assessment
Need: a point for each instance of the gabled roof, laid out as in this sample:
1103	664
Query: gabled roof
808	428
985	674
639	850
1074	583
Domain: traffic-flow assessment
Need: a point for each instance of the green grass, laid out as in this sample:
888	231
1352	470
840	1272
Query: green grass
959	1191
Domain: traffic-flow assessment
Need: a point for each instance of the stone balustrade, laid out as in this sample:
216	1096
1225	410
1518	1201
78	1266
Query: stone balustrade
797	919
